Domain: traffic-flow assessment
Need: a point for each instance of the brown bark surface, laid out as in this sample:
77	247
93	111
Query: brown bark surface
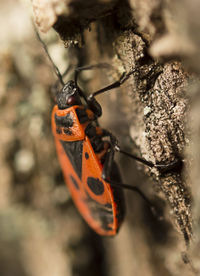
154	114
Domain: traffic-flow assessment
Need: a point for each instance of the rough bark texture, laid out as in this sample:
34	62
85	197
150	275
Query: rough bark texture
155	114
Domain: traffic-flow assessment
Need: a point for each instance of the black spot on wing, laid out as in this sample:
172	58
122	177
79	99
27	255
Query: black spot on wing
95	185
86	155
74	152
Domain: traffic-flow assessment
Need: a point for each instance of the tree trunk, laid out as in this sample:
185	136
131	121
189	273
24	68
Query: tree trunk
154	115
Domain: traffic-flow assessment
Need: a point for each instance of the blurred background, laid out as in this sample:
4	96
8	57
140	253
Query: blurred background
40	230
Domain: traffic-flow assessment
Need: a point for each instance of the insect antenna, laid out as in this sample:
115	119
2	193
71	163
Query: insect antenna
56	70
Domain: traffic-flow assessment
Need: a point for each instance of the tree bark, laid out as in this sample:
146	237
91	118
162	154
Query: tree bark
159	40
154	114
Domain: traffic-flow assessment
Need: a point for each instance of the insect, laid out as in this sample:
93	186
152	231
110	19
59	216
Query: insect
86	154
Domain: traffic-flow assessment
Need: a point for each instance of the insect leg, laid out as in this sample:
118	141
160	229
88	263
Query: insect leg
163	168
115	84
92	102
107	172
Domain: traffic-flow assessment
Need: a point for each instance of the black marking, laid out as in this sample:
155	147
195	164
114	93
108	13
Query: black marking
86	155
82	115
83	119
74	182
105	221
108	206
81	112
58	130
90	131
67	131
101	213
97	144
95	185
64	121
74	152
118	193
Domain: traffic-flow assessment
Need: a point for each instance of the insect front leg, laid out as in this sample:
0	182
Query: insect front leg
90	100
92	104
115	84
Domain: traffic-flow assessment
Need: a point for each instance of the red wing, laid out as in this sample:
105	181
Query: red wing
92	196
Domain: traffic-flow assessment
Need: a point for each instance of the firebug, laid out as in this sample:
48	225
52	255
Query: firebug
86	154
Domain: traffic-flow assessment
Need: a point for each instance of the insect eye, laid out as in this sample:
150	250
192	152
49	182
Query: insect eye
71	100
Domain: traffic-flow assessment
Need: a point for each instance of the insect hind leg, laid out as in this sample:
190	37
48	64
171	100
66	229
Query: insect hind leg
108	165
